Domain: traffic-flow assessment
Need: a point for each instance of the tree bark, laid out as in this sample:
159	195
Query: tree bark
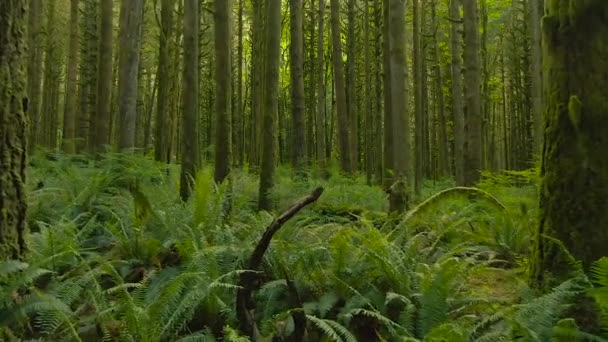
104	79
223	74
340	89
473	141
34	68
574	164
535	74
351	87
386	79
189	145
271	100
400	120
457	96
128	78
71	99
419	96
13	125
320	119
162	143
296	52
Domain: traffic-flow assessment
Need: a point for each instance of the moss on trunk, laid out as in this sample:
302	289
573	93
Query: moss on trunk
13	125
574	165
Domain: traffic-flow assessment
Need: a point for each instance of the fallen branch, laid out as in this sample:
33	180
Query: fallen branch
245	305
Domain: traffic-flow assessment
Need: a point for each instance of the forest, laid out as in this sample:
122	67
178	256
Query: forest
304	170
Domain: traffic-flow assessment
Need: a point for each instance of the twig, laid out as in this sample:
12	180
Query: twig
245	305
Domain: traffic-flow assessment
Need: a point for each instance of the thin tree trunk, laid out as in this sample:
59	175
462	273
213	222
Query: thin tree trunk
223	73
34	68
104	79
388	120
320	120
473	142
71	99
535	72
457	96
189	150
351	83
369	129
296	52
419	96
343	122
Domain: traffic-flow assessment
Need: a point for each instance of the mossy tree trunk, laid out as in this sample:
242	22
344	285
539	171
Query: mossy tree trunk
13	124
223	73
189	145
296	57
34	67
272	52
472	83
340	89
104	80
574	165
129	77
457	97
71	98
162	141
320	114
400	119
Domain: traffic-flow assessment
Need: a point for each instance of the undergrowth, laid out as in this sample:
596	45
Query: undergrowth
116	256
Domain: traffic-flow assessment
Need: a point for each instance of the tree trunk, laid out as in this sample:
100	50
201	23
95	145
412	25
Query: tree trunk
535	74
351	84
574	163
13	125
320	119
576	121
162	143
223	74
239	110
369	127
419	96
71	100
271	100
388	120
296	53
52	74
34	68
442	156
400	119
104	79
130	37
457	97
189	143
473	145
343	124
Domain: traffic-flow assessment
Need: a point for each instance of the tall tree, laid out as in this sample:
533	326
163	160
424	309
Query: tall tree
320	117
104	79
535	73
340	89
34	67
457	96
162	141
239	111
419	96
71	100
296	53
189	145
223	73
369	121
574	164
131	15
351	86
271	100
400	120
52	79
472	85
13	125
388	112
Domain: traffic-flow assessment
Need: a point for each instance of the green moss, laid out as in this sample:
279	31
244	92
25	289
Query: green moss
575	111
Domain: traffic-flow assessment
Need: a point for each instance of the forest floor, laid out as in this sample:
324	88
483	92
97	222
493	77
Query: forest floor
115	255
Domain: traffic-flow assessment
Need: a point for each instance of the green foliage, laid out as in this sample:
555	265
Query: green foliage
117	256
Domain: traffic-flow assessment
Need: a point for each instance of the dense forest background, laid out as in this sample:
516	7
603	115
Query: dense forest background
155	148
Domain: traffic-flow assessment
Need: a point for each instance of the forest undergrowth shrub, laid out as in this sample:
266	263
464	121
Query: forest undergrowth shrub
116	255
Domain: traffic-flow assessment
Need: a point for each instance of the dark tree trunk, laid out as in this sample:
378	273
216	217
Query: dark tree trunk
13	124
